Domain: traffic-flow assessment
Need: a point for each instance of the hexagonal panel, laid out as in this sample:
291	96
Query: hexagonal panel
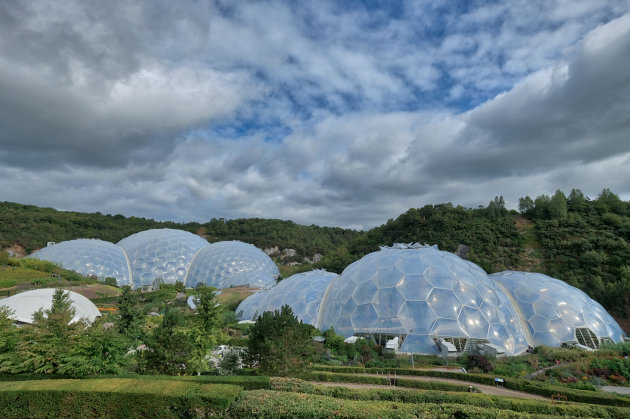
364	317
388	302
365	293
467	294
562	330
439	278
415	287
444	303
417	317
410	265
546	310
388	277
473	322
447	327
570	314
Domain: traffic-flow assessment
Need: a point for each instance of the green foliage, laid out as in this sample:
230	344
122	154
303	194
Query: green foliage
386	378
528	386
279	343
129	320
54	345
168	348
492	239
114	398
204	330
441	397
267	403
480	362
110	281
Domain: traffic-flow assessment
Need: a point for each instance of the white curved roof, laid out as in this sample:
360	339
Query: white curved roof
25	304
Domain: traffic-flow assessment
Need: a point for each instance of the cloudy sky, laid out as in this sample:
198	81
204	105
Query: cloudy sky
317	112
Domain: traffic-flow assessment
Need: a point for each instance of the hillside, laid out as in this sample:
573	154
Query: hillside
582	241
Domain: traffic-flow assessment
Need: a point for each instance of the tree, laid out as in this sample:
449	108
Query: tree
279	343
168	347
129	320
44	346
205	328
525	204
558	205
8	332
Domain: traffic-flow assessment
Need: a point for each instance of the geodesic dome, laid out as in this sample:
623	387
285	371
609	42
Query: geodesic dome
556	312
163	254
302	292
248	308
25	304
214	265
421	294
89	257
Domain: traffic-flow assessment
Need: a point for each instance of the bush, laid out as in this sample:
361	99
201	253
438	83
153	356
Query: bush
114	398
479	361
481	400
7	283
384	380
527	386
267	403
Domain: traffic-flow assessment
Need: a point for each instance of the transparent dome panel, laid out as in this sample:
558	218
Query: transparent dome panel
421	293
302	292
554	309
89	257
214	265
248	308
156	254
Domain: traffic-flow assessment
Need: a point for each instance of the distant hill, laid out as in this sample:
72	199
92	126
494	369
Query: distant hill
585	242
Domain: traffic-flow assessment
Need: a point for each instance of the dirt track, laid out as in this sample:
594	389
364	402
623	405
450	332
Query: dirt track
485	389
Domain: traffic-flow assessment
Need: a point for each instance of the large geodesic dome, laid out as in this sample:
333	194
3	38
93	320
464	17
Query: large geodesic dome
25	304
214	265
424	296
302	292
89	257
556	312
163	254
248	308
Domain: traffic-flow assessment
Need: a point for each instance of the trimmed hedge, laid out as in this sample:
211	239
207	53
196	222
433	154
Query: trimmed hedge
527	386
247	382
479	400
370	379
114	398
268	403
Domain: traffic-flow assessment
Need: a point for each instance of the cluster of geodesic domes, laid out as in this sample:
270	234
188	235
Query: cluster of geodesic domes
167	256
425	296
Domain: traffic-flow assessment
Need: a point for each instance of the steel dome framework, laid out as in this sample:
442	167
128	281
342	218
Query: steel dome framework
302	292
89	257
216	264
423	295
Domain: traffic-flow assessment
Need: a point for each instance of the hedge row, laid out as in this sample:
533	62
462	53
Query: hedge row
268	403
479	400
114	398
528	386
246	382
371	379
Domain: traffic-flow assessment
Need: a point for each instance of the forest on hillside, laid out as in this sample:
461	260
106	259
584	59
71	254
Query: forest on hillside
583	241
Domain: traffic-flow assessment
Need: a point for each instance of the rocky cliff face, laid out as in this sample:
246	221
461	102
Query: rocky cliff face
290	256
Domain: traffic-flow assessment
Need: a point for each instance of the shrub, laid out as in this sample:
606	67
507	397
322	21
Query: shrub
267	403
114	398
481	400
479	361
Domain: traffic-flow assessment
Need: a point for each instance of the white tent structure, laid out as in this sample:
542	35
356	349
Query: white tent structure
25	304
